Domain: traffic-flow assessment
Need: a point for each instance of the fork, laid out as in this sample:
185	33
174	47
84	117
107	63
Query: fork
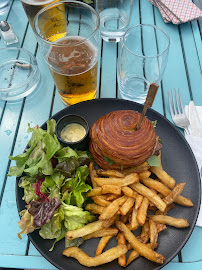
177	111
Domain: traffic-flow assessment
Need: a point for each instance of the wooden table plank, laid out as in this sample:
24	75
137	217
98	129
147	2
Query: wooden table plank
192	62
197	37
58	104
175	73
108	75
198	3
15	261
184	266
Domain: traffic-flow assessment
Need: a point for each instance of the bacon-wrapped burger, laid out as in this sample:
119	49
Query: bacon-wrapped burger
115	143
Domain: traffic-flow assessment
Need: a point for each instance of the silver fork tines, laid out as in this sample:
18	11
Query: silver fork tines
177	111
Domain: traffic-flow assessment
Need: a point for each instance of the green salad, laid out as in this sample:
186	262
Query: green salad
54	182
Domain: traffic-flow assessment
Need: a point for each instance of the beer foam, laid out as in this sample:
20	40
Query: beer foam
37	2
80	39
64	59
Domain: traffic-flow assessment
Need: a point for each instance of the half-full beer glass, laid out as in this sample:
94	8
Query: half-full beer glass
31	7
70	44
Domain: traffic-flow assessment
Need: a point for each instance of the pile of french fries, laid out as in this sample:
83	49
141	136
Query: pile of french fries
124	201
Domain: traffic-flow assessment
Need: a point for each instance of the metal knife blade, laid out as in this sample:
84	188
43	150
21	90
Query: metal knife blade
195	124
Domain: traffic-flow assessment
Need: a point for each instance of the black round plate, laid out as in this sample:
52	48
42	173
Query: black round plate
177	159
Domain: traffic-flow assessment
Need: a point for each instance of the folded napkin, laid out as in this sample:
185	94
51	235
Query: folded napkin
196	146
177	11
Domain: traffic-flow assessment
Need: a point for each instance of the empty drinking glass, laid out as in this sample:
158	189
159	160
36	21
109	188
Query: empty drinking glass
142	60
114	18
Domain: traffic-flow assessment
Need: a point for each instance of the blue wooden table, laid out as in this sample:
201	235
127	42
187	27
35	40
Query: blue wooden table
183	71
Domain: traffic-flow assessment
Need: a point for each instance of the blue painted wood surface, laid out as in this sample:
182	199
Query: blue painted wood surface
184	71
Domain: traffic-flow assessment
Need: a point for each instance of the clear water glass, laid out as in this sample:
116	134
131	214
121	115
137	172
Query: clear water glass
114	18
142	60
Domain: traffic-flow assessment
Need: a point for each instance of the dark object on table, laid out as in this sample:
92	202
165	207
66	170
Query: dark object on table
62	123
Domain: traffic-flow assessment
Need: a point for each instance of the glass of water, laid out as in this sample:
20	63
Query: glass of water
142	60
114	18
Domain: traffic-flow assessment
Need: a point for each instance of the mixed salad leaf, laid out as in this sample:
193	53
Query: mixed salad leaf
54	182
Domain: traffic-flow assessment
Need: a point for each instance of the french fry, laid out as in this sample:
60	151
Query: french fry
163	176
142	211
129	192
144	174
142	167
127	180
108	222
94	192
138	201
101	233
154	198
144	236
93	174
107	256
156	185
94	208
87	229
121	241
133	255
100	201
171	221
102	244
113	208
124	198
128	204
133	221
110	173
153	233
165	191
125	218
111	189
129	247
141	248
168	207
148	244
109	196
184	201
151	205
174	193
160	227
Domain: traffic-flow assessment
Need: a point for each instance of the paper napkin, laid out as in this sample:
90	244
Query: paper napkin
177	11
196	146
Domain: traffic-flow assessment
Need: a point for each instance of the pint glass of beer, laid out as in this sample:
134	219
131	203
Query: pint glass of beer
71	54
32	7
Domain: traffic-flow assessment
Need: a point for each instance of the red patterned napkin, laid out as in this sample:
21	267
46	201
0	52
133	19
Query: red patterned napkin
177	11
